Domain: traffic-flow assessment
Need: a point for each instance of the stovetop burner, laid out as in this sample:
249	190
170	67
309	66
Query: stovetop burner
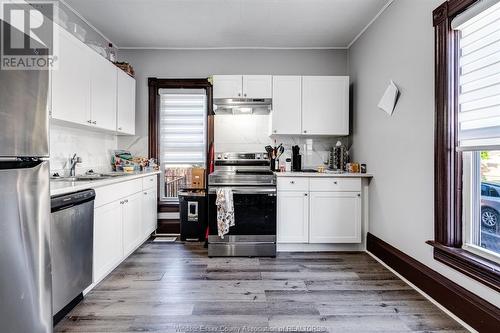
242	169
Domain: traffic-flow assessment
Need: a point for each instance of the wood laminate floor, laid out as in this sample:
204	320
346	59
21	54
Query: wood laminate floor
175	287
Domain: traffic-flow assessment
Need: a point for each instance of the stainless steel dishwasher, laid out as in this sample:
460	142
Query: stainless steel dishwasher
72	237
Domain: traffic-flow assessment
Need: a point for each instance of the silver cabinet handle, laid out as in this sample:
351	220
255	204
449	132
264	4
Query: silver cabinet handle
359	194
94	122
145	193
121	202
89	121
245	95
119	128
305	194
275	131
292	182
126	201
239	94
305	131
335	183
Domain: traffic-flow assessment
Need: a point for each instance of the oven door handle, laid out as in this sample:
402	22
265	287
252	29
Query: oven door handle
248	190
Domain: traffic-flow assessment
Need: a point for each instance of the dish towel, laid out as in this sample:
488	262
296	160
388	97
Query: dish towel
225	210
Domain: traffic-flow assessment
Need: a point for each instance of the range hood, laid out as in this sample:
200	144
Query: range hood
238	106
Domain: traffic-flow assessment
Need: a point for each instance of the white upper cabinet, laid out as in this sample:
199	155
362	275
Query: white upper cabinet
325	105
242	86
89	90
287	105
125	103
103	96
257	86
228	86
71	81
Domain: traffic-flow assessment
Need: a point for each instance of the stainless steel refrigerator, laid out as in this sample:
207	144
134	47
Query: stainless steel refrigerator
25	268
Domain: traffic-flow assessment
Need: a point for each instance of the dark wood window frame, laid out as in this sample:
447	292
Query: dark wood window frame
154	85
447	160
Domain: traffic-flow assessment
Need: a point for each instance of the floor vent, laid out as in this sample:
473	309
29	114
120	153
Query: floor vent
165	239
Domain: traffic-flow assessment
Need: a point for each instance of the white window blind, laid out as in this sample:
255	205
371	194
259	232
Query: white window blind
479	95
182	128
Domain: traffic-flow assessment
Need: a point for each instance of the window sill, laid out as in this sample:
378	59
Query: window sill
472	265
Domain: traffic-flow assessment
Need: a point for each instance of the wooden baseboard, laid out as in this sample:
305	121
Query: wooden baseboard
475	311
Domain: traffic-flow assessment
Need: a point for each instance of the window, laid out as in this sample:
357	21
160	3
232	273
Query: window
479	129
182	138
481	179
467	138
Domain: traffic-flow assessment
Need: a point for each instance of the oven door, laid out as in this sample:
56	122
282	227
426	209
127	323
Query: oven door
254	211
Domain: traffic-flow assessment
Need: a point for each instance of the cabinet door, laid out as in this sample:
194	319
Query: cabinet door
335	217
287	105
132	222
325	105
257	86
293	217
71	81
103	83
228	86
149	211
125	103
108	241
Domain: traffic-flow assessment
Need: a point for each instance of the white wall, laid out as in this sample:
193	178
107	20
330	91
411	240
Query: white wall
399	150
94	148
203	63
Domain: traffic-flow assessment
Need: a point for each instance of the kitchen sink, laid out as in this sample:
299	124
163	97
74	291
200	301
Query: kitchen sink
84	178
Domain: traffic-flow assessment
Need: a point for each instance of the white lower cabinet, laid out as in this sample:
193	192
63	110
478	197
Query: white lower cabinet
108	238
124	217
293	216
335	217
150	216
319	210
132	223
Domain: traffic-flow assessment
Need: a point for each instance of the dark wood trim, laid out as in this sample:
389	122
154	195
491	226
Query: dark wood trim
475	311
456	7
474	266
168	207
154	84
447	161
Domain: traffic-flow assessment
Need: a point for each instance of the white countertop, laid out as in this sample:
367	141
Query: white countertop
58	187
324	174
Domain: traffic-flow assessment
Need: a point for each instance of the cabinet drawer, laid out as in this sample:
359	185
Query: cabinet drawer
149	182
335	184
293	184
110	193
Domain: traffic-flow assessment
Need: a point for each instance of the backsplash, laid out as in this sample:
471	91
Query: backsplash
241	133
315	151
250	133
95	149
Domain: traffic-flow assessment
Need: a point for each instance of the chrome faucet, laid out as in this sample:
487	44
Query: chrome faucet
74	161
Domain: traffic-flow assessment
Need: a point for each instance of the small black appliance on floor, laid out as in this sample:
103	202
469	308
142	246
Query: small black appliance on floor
193	214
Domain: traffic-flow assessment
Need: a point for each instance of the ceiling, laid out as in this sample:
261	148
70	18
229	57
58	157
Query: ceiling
202	24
